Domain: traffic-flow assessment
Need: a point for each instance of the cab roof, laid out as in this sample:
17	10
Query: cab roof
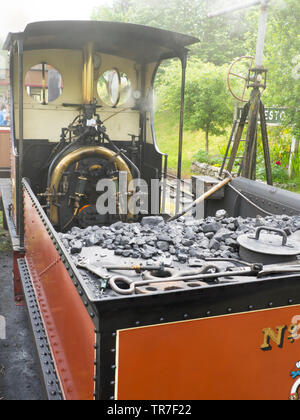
139	43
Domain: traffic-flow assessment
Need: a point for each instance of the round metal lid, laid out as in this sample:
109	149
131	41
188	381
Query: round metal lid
270	243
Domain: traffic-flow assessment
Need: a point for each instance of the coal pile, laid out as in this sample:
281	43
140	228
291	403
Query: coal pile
182	239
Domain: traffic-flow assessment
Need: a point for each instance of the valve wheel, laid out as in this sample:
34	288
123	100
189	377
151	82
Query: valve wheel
233	74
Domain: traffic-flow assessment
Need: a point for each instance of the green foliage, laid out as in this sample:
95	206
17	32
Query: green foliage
279	156
167	130
208	105
204	157
221	39
5	244
296	164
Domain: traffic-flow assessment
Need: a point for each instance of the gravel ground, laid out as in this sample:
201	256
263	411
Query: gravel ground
19	371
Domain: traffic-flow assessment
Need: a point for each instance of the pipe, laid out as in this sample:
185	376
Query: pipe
20	210
262	29
62	153
262	24
235	8
44	83
179	167
202	198
88	74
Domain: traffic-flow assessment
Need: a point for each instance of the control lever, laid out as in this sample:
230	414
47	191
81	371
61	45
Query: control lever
98	271
254	269
137	268
279	269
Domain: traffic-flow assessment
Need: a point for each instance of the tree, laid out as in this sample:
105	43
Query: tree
221	39
118	11
283	61
208	105
281	58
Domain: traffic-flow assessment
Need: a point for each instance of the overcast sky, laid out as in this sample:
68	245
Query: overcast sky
15	14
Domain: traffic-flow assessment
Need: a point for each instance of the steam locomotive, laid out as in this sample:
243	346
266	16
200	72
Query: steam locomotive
81	112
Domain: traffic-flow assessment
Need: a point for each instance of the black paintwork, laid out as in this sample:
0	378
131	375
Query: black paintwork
136	42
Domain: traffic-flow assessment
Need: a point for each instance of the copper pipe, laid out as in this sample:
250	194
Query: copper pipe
88	74
75	156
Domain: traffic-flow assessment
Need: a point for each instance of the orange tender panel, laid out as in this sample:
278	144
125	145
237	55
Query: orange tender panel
209	359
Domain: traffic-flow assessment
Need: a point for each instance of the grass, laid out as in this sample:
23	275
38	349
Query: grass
167	133
5	244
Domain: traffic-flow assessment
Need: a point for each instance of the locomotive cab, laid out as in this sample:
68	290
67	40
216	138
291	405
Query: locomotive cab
82	111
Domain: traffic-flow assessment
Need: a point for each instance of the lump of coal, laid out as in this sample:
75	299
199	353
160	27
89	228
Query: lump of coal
223	234
211	227
221	214
163	246
76	247
152	221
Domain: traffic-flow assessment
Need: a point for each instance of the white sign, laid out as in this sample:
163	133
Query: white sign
274	115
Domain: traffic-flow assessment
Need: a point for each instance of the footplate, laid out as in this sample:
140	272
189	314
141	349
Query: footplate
52	386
